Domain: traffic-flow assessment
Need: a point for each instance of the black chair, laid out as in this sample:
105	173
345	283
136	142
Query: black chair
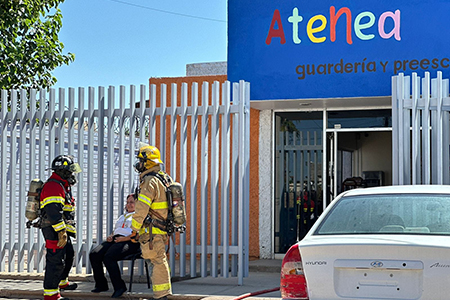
133	258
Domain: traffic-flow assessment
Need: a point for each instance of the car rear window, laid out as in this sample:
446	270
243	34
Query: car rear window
391	214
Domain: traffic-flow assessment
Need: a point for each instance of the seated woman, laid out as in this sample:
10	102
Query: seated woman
117	246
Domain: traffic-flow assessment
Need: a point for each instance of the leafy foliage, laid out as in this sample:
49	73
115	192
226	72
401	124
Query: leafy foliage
29	46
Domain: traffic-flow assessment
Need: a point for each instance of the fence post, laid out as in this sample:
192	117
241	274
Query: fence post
225	175
194	182
173	154
395	129
3	160
214	177
415	165
204	181
426	135
183	167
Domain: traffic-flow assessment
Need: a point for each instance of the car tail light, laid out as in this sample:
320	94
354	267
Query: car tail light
293	281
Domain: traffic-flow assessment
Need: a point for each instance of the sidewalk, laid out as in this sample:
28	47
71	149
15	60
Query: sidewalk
264	275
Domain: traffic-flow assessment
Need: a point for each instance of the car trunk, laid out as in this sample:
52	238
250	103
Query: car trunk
376	266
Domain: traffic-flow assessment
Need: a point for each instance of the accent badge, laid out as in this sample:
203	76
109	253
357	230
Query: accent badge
376	264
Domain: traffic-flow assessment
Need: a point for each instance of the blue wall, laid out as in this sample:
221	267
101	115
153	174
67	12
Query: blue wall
414	37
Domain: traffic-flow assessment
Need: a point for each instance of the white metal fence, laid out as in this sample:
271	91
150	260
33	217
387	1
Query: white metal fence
205	144
420	129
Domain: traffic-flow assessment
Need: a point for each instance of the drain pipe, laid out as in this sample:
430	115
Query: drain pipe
255	293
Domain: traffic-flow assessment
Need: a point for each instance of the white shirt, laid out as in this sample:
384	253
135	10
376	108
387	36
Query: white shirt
123	224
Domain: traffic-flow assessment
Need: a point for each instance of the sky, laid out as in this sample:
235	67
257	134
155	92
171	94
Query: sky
124	42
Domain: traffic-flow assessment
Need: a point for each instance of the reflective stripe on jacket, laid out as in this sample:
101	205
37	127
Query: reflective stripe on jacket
152	195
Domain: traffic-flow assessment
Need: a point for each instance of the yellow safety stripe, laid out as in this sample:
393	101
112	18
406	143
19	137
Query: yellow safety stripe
64	282
60	226
51	292
161	287
69	208
143	230
71	228
145	199
135	224
159	205
156	230
48	200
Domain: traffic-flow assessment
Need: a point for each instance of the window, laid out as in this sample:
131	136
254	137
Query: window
389	214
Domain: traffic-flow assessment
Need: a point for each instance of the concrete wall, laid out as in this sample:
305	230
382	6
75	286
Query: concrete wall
206	69
255	212
265	185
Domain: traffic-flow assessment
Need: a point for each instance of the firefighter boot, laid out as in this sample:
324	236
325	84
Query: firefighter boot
68	286
55	297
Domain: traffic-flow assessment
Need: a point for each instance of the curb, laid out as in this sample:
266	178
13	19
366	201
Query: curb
40	276
20	290
86	295
76	277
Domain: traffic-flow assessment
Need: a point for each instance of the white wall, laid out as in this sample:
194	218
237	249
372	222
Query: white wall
265	185
376	153
372	151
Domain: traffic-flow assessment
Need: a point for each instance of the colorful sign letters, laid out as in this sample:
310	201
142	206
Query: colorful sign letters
302	49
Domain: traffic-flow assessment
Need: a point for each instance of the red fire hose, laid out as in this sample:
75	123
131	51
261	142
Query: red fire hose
255	293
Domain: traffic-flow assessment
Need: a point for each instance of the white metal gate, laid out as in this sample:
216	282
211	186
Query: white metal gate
103	134
298	183
420	129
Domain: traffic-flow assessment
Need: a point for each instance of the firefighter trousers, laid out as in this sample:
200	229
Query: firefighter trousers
58	261
157	255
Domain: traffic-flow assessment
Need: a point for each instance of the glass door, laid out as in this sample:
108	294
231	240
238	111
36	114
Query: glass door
298	176
358	150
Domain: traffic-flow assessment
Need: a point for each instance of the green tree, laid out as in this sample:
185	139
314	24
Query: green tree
29	46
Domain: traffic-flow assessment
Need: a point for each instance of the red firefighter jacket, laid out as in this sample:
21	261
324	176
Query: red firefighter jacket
58	205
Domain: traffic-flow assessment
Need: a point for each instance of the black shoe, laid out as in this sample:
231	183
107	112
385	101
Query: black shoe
99	290
69	287
118	293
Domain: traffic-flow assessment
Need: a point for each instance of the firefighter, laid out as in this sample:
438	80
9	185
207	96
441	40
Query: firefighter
152	202
58	226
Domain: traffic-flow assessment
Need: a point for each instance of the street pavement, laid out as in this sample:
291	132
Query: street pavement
262	283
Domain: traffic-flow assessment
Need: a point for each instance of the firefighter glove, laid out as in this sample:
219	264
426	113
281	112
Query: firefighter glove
134	237
71	230
62	238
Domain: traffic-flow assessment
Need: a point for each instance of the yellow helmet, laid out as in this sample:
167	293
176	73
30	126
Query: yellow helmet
148	157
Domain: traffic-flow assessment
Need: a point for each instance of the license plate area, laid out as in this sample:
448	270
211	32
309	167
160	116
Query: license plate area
378	279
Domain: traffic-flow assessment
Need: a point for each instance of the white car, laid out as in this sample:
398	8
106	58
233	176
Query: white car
375	243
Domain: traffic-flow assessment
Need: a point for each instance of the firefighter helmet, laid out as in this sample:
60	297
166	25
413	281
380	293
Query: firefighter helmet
147	158
64	166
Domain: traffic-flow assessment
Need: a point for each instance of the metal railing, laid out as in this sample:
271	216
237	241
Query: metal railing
420	129
205	146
